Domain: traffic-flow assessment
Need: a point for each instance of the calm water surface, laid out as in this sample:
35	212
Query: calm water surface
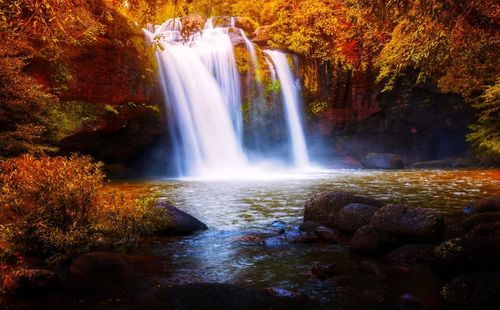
234	210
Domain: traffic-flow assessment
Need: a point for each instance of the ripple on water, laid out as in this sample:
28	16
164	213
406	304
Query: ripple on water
233	210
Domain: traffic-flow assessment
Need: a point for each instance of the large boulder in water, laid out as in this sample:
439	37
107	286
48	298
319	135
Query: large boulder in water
382	161
369	240
474	289
179	222
410	224
325	207
477	251
354	216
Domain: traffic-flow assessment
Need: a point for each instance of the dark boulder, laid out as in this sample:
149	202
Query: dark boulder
468	223
324	207
369	240
473	289
179	222
382	161
328	234
209	295
410	224
100	270
479	251
411	253
354	216
30	281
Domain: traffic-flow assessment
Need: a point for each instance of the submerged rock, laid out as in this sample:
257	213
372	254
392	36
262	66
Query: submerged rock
323	271
30	281
475	289
410	224
369	240
325	207
354	216
287	297
179	222
382	161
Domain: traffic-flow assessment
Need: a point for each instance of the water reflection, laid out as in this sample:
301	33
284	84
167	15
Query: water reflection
235	210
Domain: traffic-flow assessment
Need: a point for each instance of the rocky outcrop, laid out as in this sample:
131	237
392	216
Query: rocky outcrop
179	222
409	224
246	24
325	207
262	35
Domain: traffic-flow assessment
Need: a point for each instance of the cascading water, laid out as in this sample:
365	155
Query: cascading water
291	98
201	84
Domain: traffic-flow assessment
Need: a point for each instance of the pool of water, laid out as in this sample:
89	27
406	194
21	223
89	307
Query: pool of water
239	211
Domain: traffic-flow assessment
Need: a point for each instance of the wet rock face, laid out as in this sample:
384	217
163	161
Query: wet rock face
382	161
412	224
179	223
262	35
369	240
324	208
30	281
354	216
474	289
247	24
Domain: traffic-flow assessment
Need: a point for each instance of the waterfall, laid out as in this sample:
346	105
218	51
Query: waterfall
293	107
205	134
201	85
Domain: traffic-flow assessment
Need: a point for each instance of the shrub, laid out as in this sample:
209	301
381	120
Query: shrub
48	204
126	219
55	208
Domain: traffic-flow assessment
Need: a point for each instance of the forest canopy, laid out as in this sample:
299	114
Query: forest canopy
451	43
